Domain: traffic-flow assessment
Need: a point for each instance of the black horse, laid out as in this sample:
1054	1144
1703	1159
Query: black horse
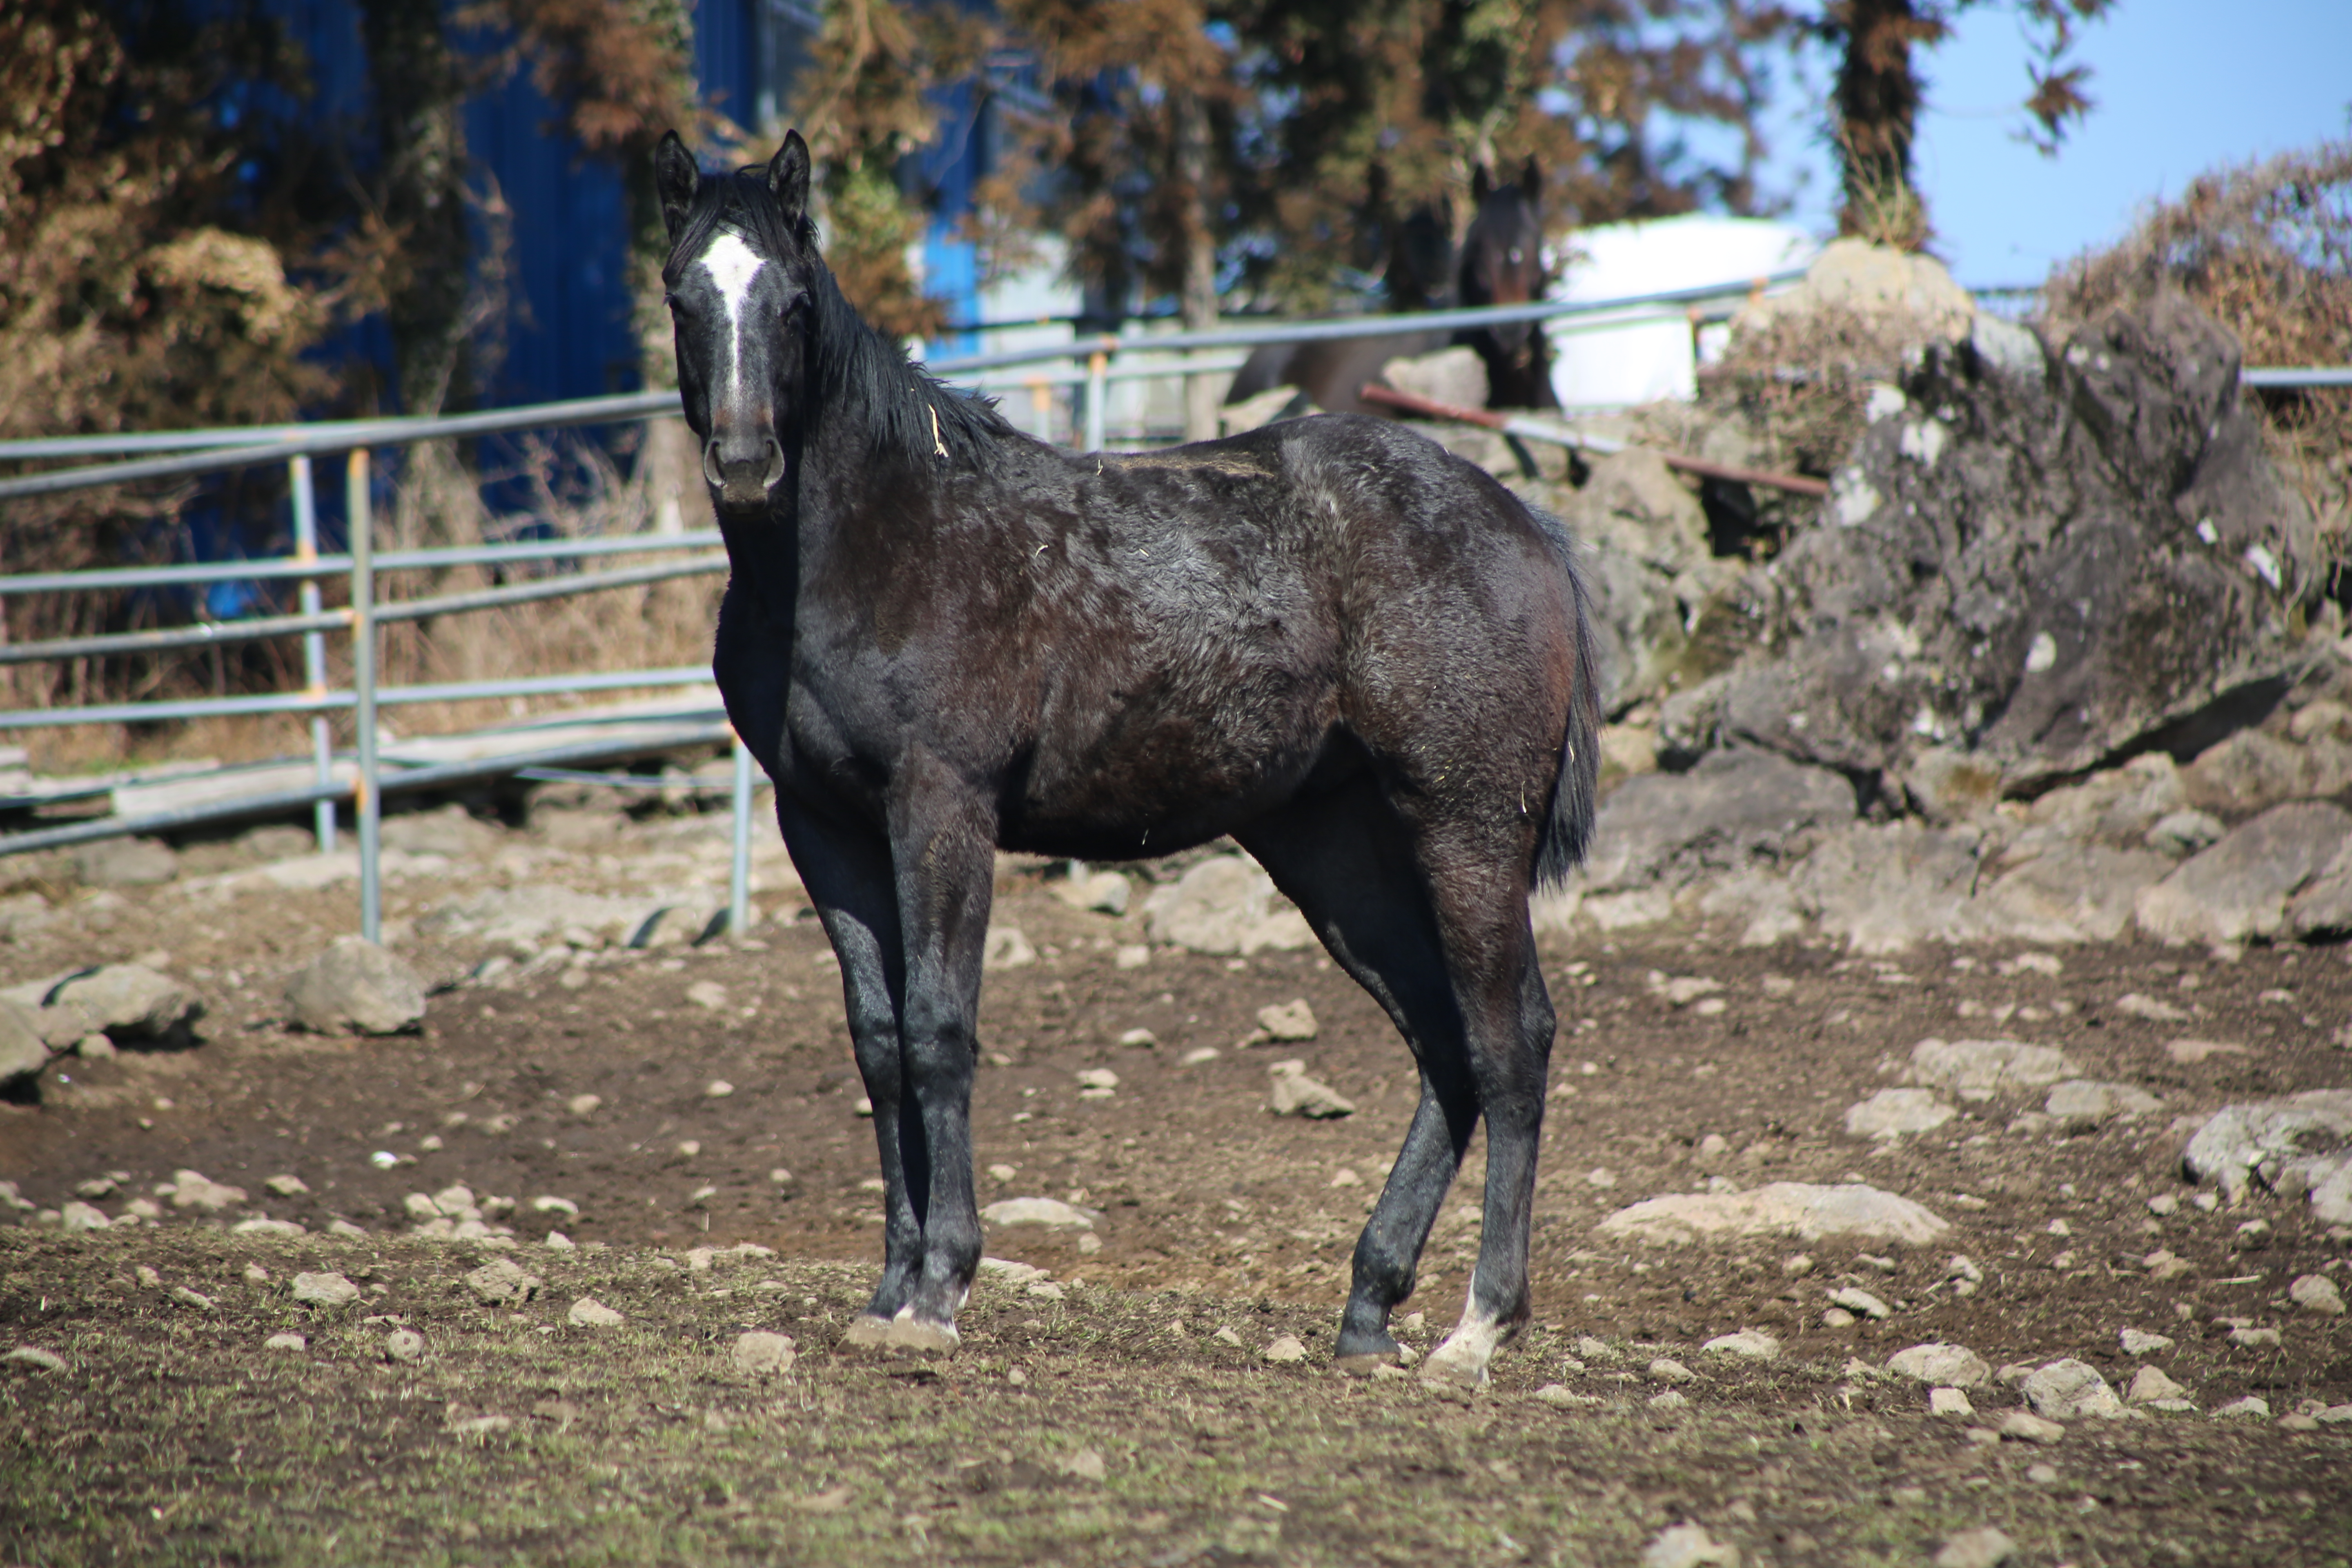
1357	653
1501	264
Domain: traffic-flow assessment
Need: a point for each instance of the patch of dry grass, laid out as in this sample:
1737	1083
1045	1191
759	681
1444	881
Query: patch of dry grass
1130	1433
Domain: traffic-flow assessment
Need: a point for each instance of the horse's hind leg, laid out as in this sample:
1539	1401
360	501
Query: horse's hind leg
1344	860
1480	900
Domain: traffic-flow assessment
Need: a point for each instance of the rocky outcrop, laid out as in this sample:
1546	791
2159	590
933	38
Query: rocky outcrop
1651	564
1735	809
2242	887
2043	556
92	1011
2301	1143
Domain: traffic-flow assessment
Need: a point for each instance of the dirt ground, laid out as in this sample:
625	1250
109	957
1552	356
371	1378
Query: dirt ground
1215	1215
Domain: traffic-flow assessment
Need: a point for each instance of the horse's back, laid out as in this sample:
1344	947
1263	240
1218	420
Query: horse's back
1433	567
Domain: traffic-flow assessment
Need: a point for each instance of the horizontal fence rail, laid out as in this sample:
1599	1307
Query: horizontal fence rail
281	567
2298	376
324	438
215	634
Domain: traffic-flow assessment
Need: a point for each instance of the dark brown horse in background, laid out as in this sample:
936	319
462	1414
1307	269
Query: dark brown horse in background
1354	652
1501	263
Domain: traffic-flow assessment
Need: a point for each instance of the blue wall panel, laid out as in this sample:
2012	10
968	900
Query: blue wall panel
568	332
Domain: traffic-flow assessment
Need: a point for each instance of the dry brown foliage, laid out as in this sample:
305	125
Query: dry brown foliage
127	302
2266	249
1800	382
865	101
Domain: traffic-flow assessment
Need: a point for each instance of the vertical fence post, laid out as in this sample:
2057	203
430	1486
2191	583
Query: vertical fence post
1097	396
314	647
370	809
739	876
1041	408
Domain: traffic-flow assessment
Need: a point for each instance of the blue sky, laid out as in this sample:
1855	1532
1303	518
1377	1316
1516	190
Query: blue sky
2182	86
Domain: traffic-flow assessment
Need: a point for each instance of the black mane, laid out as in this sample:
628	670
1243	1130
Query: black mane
858	372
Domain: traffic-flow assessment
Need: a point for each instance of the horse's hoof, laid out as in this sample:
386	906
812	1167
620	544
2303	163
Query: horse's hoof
867	1333
1458	1364
921	1337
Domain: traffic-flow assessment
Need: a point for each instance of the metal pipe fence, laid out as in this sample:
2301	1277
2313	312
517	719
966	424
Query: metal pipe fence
1096	363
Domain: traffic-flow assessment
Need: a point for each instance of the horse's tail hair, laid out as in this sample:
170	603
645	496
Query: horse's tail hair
1575	794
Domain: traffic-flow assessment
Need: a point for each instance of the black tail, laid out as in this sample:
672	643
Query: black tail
1573	796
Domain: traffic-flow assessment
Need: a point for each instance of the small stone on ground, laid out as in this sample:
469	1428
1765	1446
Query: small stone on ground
762	1352
1985	1548
327	1289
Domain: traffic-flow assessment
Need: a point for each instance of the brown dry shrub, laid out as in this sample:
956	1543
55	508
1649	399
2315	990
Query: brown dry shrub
1800	382
2265	248
128	300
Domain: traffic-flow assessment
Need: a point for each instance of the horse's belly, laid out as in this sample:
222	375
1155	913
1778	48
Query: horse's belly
1153	781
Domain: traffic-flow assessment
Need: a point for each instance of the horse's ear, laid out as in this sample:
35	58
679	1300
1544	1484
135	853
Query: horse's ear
676	179
788	178
1531	182
1480	189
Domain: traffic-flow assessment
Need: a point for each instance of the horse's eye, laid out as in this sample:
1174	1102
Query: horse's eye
1516	256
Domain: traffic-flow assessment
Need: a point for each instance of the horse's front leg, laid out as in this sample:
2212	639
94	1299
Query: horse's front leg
943	841
847	872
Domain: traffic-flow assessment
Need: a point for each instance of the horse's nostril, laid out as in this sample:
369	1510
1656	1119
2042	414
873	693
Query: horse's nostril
711	464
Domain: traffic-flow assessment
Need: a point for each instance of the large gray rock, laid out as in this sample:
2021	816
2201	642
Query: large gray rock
2254	769
1946	1366
1294	1093
1890	1112
1980	1070
2322	909
22	914
2301	1143
1885	887
356	987
23	1052
2240	887
1454	375
1644	538
1736	809
2042	560
130	1004
537	912
2070	1390
126	863
2082	1104
451	831
1226	904
2116	807
1798	1209
2071	892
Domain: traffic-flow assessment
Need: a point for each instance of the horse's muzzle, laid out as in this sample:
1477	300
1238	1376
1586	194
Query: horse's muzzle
743	472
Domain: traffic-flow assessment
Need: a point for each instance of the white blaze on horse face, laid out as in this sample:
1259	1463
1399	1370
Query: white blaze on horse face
732	265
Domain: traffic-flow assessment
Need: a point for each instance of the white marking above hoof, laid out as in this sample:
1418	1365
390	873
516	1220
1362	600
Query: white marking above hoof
1460	1361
